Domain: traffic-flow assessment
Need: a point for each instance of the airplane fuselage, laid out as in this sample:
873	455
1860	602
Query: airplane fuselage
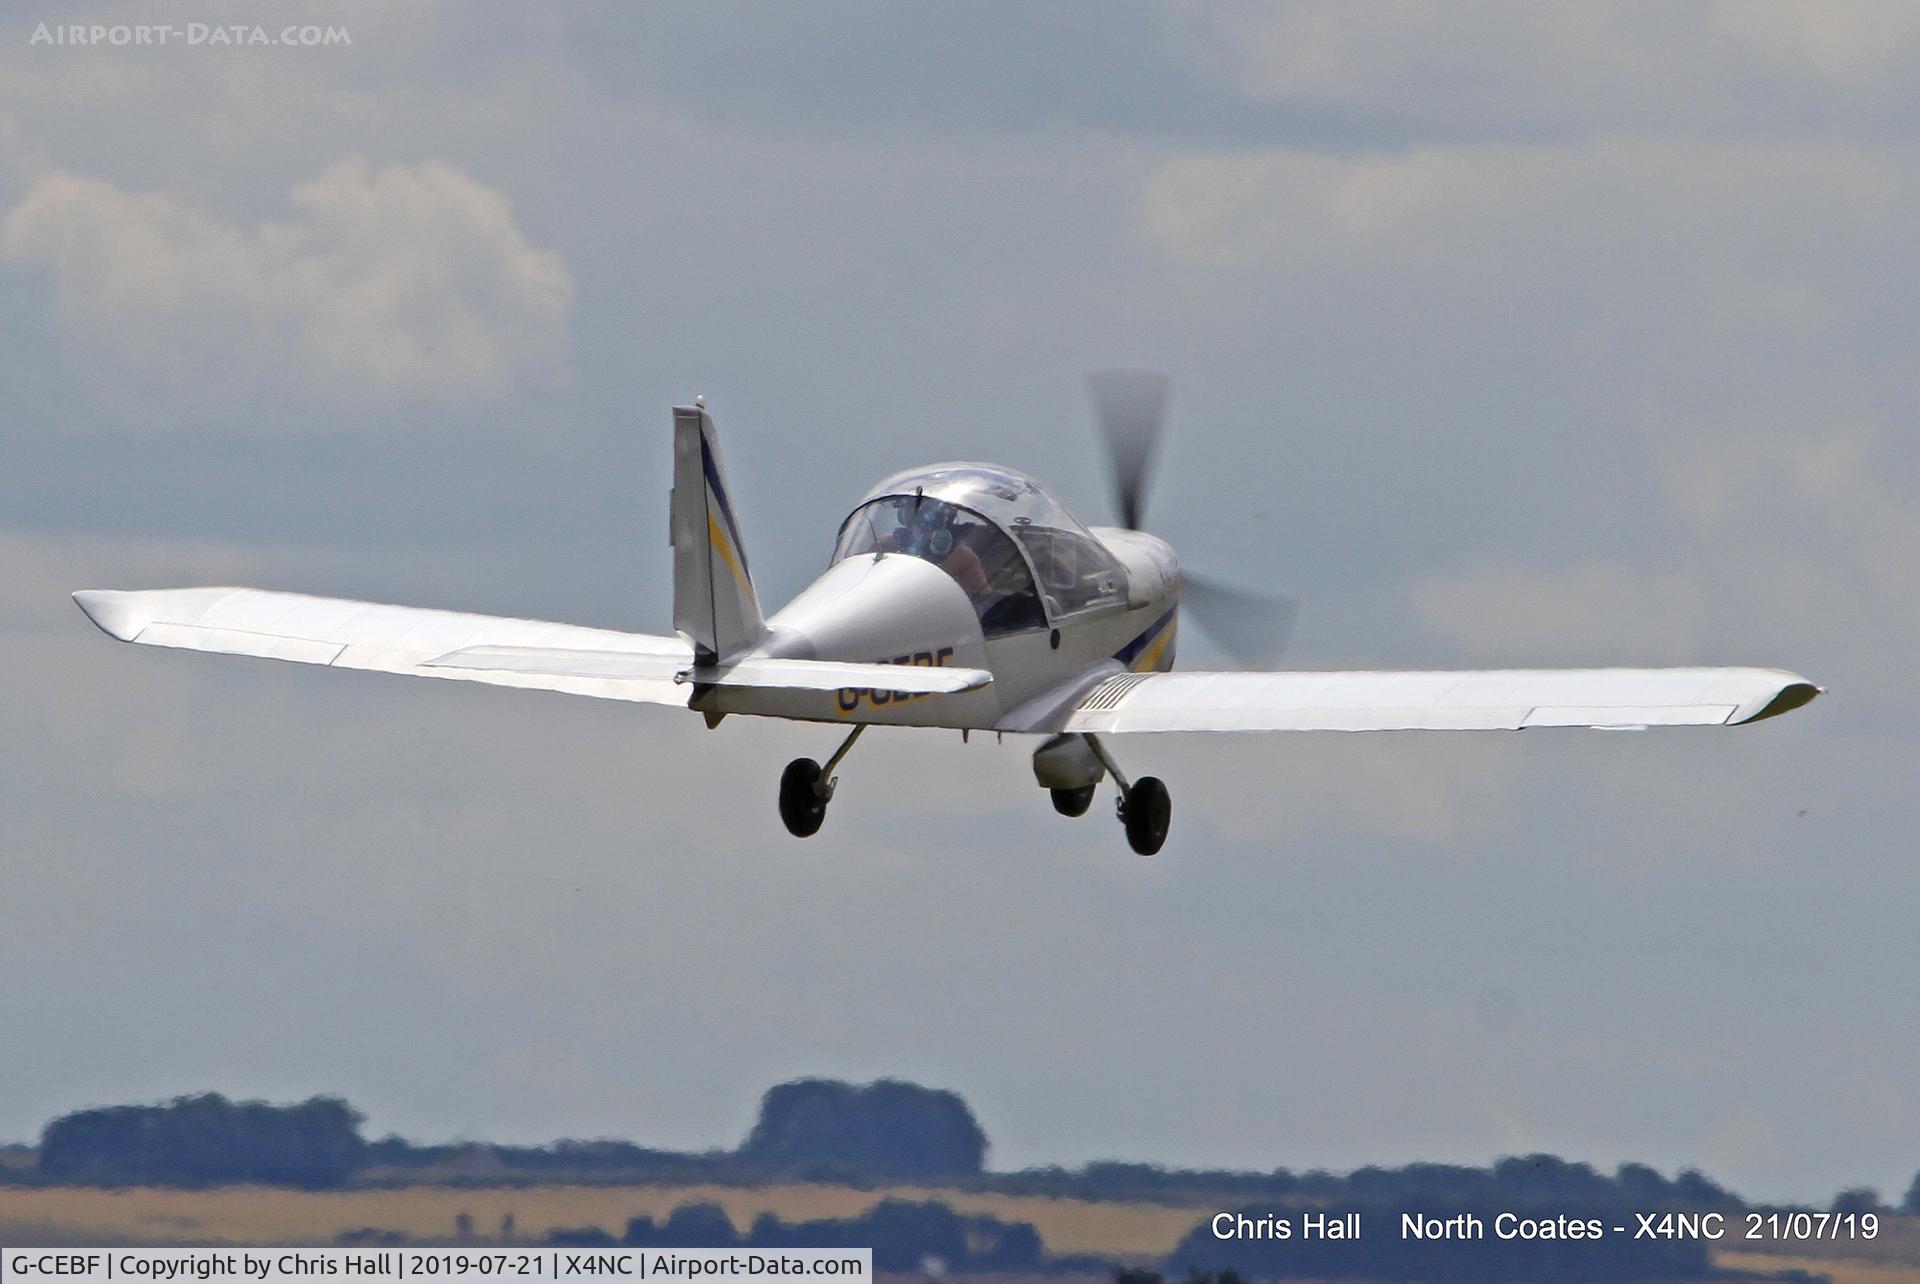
894	608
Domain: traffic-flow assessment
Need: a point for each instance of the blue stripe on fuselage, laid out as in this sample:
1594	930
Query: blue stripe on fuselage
1131	651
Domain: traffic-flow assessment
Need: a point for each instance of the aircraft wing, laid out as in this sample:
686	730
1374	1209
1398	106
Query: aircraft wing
493	649
369	635
1465	700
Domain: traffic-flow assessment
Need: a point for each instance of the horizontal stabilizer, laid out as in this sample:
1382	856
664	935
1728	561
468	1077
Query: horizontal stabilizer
754	671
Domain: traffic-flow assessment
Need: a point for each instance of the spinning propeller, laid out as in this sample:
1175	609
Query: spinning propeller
1131	407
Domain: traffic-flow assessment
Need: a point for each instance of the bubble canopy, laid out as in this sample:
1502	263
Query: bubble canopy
998	532
1002	496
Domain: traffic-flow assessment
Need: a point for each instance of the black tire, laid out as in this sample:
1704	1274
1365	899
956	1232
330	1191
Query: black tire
801	806
1073	802
1147	814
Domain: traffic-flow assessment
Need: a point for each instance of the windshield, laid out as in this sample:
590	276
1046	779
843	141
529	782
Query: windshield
1075	571
966	546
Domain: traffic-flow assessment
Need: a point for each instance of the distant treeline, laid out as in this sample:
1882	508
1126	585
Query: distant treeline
206	1140
1546	1175
905	1237
809	1129
868	1135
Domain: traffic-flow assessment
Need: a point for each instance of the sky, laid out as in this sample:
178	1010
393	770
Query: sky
1500	335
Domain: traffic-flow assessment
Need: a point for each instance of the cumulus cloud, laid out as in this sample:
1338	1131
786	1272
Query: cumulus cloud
1414	791
1703	322
1593	612
1750	203
409	284
1854	523
1508	69
1800	550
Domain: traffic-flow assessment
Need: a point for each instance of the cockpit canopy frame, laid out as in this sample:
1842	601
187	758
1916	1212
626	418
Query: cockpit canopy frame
1023	559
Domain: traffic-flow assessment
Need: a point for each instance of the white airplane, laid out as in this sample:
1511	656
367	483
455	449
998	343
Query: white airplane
959	595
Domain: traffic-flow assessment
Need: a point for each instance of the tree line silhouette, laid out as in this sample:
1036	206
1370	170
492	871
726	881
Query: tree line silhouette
906	1236
890	1131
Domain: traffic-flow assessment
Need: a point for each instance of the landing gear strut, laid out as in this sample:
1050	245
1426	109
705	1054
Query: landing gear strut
806	787
1145	807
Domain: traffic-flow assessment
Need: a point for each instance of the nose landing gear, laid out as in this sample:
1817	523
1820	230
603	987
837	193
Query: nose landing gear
806	788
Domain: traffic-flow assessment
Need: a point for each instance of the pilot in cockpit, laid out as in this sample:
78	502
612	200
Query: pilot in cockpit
975	553
929	531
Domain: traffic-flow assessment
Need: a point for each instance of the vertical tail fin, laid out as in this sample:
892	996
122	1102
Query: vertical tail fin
714	604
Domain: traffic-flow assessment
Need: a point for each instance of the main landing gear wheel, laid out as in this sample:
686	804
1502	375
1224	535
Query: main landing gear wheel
1145	806
806	788
803	799
1073	802
1146	810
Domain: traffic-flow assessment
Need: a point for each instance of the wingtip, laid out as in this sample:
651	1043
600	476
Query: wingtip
1792	695
114	612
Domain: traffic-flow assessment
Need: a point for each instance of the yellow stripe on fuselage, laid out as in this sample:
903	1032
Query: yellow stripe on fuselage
1150	657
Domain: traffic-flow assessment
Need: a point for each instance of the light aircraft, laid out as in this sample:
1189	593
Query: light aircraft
959	595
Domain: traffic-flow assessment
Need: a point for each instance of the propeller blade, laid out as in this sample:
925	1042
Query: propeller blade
1130	405
1253	628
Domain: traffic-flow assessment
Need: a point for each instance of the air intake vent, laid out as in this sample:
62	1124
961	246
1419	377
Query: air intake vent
1108	695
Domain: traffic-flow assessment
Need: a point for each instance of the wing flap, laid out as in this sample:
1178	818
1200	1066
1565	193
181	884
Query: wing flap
1463	700
1682	715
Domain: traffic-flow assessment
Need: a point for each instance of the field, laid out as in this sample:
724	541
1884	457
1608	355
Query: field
273	1215
1840	1270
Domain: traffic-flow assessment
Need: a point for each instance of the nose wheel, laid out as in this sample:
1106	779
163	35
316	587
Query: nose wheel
806	787
1073	802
